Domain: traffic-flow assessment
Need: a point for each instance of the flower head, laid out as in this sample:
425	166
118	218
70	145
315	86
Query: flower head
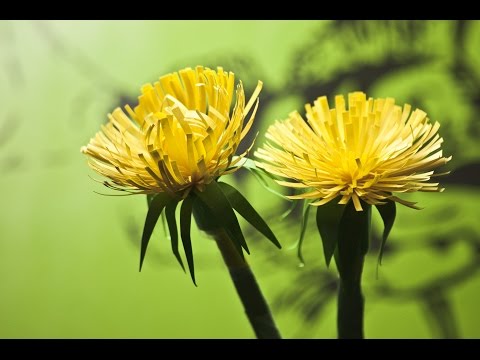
368	151
173	147
182	134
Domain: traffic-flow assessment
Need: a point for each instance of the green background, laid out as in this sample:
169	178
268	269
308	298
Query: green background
69	257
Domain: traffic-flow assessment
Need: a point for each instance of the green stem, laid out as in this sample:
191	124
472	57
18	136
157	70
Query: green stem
254	303
350	310
353	241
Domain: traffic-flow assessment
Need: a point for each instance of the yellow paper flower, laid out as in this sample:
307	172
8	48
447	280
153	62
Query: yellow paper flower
368	151
182	134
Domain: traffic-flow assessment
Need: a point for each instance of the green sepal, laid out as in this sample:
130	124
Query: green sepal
162	215
303	229
353	241
150	198
208	222
185	227
244	208
291	208
173	230
259	174
155	208
388	212
328	222
218	204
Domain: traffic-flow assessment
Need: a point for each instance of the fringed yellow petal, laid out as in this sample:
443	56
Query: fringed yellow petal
181	134
366	151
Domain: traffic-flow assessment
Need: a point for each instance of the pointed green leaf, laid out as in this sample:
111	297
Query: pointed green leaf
163	218
244	208
204	218
218	204
305	215
172	228
249	164
150	198
328	221
208	222
162	215
291	209
260	175
185	222
353	240
388	212
154	210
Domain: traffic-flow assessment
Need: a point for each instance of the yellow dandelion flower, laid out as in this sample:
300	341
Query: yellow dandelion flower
368	151
173	147
183	134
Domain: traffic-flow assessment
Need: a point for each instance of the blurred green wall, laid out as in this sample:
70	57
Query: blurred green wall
69	257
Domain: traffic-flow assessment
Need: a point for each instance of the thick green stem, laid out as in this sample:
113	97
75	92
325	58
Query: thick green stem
353	240
254	303
350	310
